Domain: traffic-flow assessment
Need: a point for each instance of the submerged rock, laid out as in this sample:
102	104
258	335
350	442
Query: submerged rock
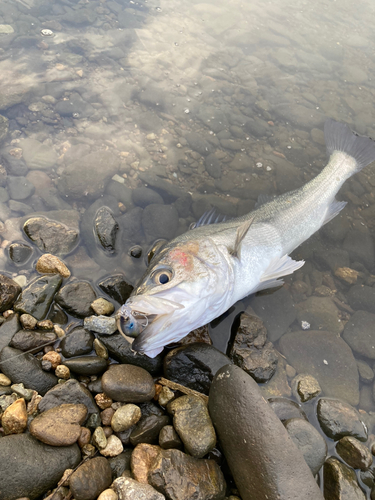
359	333
106	229
340	481
51	236
339	419
259	451
37	297
9	291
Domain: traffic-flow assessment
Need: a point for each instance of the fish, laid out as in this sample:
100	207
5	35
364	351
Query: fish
200	274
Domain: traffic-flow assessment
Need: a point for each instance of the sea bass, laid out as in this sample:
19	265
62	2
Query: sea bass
197	276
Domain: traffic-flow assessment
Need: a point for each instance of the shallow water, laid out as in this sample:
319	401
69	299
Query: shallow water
207	103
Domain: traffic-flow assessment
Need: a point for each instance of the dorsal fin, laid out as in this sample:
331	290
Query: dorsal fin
240	235
211	216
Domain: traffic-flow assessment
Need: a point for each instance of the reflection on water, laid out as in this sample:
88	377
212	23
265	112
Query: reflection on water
207	104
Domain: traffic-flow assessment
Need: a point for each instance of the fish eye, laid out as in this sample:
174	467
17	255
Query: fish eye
163	277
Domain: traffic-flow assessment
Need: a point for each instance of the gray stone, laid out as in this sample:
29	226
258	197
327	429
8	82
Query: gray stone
359	333
309	441
193	424
321	313
9	291
276	310
75	105
120	463
42	466
4	127
125	417
23	368
8	329
300	115
70	391
250	433
194	365
179	476
326	357
366	374
77	342
90	479
37	297
159	221
19	253
101	324
51	236
129	489
355	453
340	481
106	229
286	409
198	143
128	383
168	438
19	187
339	419
362	297
86	177
32	340
86	365
213	166
76	298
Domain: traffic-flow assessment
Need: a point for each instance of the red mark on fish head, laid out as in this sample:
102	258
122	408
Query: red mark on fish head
184	255
179	256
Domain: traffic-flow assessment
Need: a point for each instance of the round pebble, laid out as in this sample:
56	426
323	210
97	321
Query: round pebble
63	372
114	447
4	380
50	264
14	419
102	307
125	417
128	383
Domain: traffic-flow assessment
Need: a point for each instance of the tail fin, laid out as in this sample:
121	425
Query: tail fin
339	137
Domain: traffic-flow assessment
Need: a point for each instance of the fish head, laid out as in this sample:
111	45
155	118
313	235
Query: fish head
182	289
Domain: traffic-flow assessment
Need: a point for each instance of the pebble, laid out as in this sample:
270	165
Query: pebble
59	426
339	419
113	448
20	390
9	290
360	335
90	479
307	387
108	495
19	187
102	307
103	401
340	481
249	441
148	428
128	383
165	396
14	418
117	287
63	372
36	298
76	298
50	264
366	374
309	441
101	324
193	424
99	439
54	358
120	463
4	380
100	349
125	417
141	459
355	453
129	489
51	236
20	253
42	465
84	437
168	438
8	329
86	365
77	342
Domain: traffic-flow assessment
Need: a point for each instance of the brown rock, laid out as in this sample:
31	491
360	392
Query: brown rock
62	371
355	453
9	291
106	416
142	457
14	419
103	401
59	426
54	358
346	274
340	481
90	479
84	437
50	264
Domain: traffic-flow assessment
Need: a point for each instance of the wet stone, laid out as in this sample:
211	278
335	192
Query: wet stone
339	419
160	221
120	349
90	479
102	307
22	392
42	466
148	428
165	396
194	365
355	453
309	441
59	426
196	478
327	358
359	333
77	342
38	156
50	264
125	417
251	351
129	489
108	494
116	287
14	418
37	297
51	236
362	297
106	229
23	368
19	187
193	424
101	324
307	387
254	435
8	329
4	380
72	392
286	409
76	298
86	365
32	340
9	291
340	481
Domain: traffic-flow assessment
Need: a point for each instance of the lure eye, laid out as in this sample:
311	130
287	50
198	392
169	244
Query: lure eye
163	277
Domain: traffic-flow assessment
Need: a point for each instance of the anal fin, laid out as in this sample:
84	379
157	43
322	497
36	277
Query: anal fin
334	209
280	266
265	285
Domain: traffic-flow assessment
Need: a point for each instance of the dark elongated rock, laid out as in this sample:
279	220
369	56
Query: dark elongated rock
32	340
264	461
338	419
90	479
148	428
36	298
286	409
29	468
8	329
86	365
9	290
23	368
194	365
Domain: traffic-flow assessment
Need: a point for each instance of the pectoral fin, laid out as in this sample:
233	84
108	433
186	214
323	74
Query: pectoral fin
280	266
241	233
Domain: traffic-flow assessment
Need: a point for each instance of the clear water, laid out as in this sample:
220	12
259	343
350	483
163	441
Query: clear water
159	85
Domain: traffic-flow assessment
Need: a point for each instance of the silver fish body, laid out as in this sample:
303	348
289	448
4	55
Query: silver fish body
200	274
